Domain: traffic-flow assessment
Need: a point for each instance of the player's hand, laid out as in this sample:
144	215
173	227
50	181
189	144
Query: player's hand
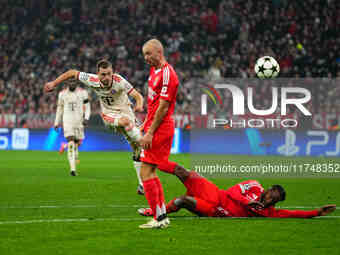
49	86
85	122
256	205
138	108
146	141
327	209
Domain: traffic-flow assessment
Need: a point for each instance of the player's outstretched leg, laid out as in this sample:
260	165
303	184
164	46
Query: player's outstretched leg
170	208
137	164
132	134
174	168
130	128
193	204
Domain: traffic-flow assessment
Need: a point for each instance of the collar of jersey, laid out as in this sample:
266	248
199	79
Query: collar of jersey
106	89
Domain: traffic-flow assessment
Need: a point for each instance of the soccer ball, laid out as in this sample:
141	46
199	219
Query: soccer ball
267	67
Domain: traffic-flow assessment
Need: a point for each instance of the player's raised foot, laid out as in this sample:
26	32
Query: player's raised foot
140	190
145	211
73	173
62	148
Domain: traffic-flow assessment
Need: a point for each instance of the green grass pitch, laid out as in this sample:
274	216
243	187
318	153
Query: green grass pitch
44	210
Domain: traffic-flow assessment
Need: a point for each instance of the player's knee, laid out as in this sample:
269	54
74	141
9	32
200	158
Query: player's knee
181	173
183	202
179	201
147	171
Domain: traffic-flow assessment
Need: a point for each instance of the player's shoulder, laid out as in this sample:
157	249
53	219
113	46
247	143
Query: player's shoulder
91	77
251	184
169	68
117	78
169	71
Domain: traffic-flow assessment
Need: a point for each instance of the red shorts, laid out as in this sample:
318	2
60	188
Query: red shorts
205	193
161	146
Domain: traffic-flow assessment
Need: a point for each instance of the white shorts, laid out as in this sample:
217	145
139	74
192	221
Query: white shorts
74	130
110	118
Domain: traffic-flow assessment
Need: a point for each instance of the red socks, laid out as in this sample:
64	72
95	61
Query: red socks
168	167
161	196
155	196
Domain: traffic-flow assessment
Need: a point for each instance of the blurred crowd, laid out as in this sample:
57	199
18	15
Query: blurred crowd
208	40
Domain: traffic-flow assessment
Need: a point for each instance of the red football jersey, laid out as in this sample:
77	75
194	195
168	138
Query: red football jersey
235	199
234	202
163	84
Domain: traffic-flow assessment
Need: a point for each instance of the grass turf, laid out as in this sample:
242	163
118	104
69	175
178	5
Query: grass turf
43	210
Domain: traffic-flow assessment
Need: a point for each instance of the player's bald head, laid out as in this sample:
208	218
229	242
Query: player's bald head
153	53
154	44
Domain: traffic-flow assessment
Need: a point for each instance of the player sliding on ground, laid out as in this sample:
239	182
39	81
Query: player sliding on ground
246	199
113	91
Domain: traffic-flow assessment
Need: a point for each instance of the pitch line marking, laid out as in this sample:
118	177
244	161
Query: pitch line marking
130	219
121	206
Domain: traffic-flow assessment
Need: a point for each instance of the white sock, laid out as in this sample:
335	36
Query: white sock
76	151
163	209
71	155
134	134
138	165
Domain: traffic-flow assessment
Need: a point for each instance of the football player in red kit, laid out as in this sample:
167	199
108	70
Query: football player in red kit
159	130
246	199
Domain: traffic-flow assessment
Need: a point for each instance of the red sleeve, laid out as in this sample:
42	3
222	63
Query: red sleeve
245	191
169	87
283	213
236	194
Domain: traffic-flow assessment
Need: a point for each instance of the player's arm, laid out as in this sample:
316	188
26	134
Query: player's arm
159	115
59	113
161	111
128	88
238	191
237	194
87	113
139	100
49	86
283	213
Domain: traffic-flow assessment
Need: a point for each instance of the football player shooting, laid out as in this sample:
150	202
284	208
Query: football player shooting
72	102
113	91
246	199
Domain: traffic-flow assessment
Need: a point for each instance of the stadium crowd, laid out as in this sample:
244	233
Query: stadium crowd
206	40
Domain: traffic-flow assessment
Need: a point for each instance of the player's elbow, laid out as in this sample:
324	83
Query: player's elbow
139	98
163	108
73	73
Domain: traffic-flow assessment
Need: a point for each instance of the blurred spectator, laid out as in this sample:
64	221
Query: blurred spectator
212	39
